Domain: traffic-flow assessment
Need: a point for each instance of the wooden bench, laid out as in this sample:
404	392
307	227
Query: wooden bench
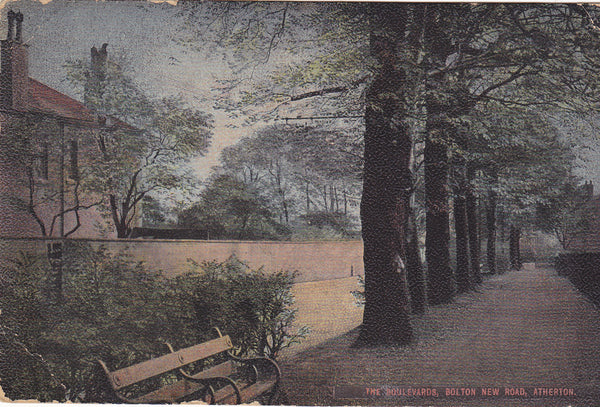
225	379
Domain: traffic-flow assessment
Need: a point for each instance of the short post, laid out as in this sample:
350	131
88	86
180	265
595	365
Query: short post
55	256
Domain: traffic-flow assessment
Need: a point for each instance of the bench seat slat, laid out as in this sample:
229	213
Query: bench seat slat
170	393
224	369
227	395
182	388
133	374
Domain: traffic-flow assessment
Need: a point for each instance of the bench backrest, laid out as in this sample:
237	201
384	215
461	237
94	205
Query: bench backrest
134	374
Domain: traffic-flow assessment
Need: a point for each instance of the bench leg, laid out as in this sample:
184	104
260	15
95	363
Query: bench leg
210	392
276	396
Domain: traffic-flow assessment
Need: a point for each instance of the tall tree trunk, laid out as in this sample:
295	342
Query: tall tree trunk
440	277
473	226
337	201
122	231
307	199
284	204
417	282
438	46
386	187
462	243
501	235
491	231
119	219
284	215
331	199
518	249
515	248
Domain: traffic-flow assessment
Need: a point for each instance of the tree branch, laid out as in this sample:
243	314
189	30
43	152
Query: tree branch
325	91
514	76
114	209
277	33
76	208
508	102
320	92
31	204
582	11
132	187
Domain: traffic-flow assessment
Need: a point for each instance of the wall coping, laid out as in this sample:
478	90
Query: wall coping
107	240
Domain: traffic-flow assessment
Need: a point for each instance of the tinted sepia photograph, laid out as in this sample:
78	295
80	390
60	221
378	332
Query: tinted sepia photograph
299	203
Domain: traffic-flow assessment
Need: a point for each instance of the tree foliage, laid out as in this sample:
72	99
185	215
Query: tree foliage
133	162
231	209
566	213
298	168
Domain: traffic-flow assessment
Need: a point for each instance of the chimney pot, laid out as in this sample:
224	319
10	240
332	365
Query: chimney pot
98	73
11	25
14	73
19	33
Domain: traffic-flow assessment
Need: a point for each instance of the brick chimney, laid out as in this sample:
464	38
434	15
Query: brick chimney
14	74
94	87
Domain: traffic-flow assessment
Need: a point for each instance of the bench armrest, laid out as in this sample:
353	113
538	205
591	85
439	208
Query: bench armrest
207	382
253	361
268	360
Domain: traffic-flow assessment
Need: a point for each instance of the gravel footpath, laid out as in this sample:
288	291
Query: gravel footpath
327	308
523	329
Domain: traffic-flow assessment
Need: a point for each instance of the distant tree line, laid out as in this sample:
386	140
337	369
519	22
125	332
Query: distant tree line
285	181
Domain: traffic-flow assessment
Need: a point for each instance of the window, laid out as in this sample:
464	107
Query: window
41	161
74	167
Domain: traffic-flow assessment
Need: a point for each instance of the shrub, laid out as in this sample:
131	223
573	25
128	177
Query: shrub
107	312
321	225
359	296
252	306
23	320
115	310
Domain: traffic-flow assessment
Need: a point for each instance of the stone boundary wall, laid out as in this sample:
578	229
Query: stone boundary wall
315	261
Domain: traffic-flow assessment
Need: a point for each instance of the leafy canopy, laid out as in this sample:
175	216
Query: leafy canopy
144	145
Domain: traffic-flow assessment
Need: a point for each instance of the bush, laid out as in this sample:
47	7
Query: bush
326	226
359	295
115	310
23	370
252	306
107	311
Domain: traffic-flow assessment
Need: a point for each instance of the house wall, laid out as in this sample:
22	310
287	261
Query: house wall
16	156
13	219
314	260
92	223
31	112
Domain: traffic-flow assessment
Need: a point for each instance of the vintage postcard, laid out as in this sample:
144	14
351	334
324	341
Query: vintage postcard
300	203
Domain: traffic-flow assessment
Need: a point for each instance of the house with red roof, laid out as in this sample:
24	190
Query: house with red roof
45	136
